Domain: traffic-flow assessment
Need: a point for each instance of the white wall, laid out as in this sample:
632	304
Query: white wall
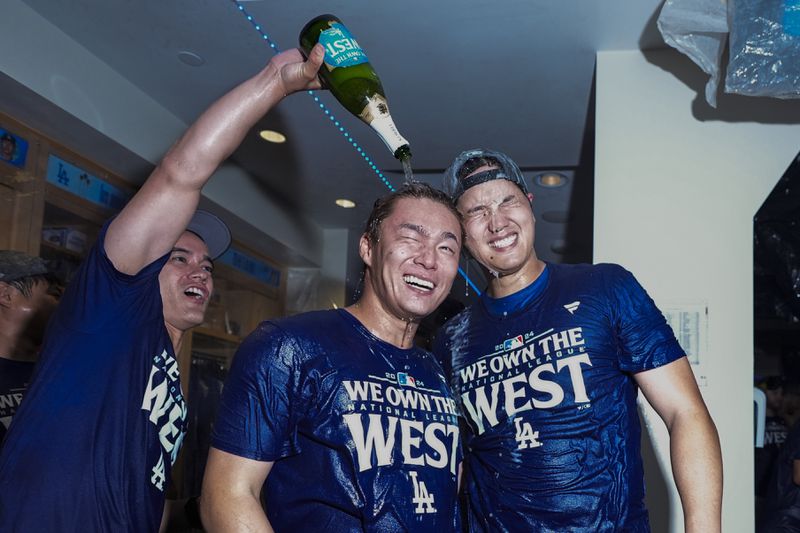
674	202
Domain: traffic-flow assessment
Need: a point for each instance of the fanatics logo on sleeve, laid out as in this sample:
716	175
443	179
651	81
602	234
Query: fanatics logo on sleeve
572	307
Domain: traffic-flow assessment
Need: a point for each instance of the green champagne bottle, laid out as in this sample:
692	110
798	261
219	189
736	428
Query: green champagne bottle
347	74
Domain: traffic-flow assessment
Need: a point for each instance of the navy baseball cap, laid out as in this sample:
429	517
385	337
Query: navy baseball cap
212	230
457	178
17	265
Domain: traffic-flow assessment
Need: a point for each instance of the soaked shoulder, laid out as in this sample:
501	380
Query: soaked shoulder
598	271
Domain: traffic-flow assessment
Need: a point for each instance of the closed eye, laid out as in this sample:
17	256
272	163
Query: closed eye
510	201
477	212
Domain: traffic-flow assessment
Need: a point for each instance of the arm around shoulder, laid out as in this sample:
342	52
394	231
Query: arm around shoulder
694	443
230	499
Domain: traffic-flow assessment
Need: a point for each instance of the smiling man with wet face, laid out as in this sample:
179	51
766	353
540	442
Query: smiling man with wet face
93	444
547	367
344	423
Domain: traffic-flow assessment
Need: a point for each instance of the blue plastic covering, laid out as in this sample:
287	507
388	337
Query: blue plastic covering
698	29
764	48
763	38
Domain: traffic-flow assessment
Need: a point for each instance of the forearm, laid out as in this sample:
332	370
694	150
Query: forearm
221	128
226	513
142	232
697	468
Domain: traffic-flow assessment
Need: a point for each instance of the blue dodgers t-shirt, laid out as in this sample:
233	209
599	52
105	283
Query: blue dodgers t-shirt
549	401
364	436
14	379
782	505
92	446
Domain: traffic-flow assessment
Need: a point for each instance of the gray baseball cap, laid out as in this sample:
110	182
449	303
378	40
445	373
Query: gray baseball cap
212	230
456	180
16	265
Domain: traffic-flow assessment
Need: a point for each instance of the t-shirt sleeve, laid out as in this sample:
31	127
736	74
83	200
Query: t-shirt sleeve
99	292
261	400
792	442
646	341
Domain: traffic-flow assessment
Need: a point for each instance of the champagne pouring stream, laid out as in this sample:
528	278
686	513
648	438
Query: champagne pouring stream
350	78
308	37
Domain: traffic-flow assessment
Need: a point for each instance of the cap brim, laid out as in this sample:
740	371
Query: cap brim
212	230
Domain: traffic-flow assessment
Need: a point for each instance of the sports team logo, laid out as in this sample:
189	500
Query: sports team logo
404	380
510	344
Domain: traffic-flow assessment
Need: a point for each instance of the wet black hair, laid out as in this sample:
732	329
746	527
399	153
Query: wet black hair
384	206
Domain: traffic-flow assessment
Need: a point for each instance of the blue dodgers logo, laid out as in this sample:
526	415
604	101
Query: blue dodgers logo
511	344
405	380
341	49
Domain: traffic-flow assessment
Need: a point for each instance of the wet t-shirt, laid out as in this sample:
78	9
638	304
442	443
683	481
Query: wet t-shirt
14	379
544	380
92	445
364	435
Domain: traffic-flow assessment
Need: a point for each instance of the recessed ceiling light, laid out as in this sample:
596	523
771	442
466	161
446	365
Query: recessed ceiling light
551	180
190	58
344	202
272	136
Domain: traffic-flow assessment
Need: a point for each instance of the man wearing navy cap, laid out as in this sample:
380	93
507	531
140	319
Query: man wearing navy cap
28	295
92	446
547	368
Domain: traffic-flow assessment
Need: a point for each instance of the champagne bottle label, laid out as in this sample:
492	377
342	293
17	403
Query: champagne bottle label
376	114
341	49
376	107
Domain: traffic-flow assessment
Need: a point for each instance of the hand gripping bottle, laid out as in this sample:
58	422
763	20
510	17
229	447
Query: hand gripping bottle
347	74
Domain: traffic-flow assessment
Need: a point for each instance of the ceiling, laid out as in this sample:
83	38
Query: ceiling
515	76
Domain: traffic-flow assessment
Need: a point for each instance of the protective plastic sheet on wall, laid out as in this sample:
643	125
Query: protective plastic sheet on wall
697	28
302	290
764	48
777	250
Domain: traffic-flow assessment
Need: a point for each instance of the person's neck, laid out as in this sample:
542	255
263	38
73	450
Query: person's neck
507	284
16	350
387	327
176	336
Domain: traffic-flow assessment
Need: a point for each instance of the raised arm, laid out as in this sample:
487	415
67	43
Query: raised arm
230	500
152	221
694	444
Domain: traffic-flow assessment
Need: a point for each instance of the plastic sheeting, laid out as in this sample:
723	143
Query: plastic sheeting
763	36
777	250
698	29
302	290
764	48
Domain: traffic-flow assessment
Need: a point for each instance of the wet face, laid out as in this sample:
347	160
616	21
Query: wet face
412	266
186	283
775	398
499	225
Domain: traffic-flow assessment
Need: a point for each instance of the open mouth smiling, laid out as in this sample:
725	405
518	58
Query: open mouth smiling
504	242
418	283
195	293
